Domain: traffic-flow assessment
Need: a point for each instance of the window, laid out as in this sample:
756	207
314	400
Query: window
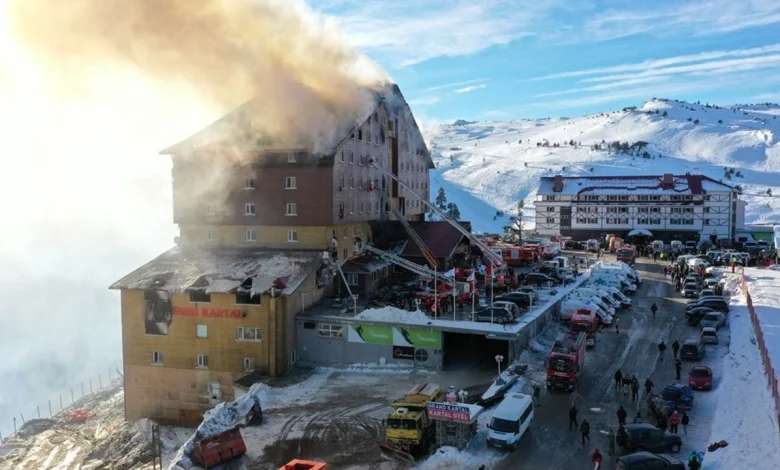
687	221
582	220
706	221
244	333
550	220
351	157
674	221
368	135
612	198
353	136
292	236
674	198
655	198
331	331
643	221
290	182
250	236
623	210
246	298
210	236
249	364
611	221
157	357
612	210
623	198
643	198
208	209
593	198
341	183
341	156
361	207
203	361
292	356
655	221
708	198
201	331
643	210
360	183
526	414
199	296
291	209
249	209
706	210
687	198
292	157
360	134
351	182
623	221
549	198
249	183
353	279
550	208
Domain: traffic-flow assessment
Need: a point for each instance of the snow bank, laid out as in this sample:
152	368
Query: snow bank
744	416
447	458
764	287
393	315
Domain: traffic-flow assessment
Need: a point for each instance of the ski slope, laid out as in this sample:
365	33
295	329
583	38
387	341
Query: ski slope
485	167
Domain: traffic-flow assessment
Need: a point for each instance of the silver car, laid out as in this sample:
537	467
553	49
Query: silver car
713	320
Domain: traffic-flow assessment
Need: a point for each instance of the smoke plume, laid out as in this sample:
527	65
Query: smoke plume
305	78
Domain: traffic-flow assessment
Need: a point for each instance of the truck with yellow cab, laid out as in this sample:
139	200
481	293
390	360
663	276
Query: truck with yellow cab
409	431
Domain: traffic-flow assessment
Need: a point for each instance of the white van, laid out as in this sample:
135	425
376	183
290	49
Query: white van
593	298
605	296
614	279
569	307
623	269
619	295
657	246
511	420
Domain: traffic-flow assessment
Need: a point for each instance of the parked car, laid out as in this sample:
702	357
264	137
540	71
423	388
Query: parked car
695	315
714	319
716	304
677	397
536	279
690	289
707	293
647	461
695	278
509	306
644	436
700	378
530	290
521	299
692	349
711	283
709	335
497	314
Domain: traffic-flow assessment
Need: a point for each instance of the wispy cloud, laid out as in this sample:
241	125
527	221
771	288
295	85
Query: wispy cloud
726	66
410	31
454	84
471	88
602	87
665	62
424	101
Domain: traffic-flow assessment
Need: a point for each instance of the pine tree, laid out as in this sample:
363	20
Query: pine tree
453	213
441	200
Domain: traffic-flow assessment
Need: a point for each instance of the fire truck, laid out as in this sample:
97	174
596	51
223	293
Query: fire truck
517	255
565	361
627	254
584	321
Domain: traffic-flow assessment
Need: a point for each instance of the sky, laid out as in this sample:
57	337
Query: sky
512	59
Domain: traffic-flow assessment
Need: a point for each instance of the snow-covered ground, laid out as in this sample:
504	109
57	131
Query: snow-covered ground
744	416
764	288
486	167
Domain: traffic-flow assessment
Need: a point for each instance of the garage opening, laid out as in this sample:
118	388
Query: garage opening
471	351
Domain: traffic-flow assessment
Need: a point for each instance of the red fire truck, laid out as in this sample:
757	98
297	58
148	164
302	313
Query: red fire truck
565	362
585	321
627	254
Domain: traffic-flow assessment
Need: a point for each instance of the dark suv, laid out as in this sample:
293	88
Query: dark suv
496	314
521	299
692	349
644	436
539	279
716	304
648	461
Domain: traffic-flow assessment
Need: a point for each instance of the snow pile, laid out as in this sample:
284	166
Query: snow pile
374	368
221	418
744	417
485	167
447	458
392	314
764	288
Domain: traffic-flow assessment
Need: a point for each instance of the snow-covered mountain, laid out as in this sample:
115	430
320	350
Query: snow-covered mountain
487	167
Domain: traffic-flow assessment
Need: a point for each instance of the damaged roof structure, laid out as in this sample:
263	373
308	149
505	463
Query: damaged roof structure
224	271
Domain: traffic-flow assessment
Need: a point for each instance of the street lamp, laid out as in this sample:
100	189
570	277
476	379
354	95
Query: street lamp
499	360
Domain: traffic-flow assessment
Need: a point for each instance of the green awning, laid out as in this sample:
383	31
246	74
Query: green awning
767	236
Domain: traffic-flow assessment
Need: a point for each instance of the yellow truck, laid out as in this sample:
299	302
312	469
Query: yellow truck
409	431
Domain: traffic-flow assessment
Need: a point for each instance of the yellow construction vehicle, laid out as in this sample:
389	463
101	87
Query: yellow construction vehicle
409	431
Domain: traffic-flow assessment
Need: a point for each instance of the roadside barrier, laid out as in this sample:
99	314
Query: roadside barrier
768	369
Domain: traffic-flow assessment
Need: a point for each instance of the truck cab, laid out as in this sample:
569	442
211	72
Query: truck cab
565	361
585	321
408	427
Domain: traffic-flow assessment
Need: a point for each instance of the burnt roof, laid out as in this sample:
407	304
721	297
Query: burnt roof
440	237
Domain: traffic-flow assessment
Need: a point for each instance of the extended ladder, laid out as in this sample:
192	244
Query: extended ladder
405	263
415	238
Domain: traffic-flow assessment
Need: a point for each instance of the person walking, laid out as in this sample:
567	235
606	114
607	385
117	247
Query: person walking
637	418
596	459
661	349
537	391
621	416
693	464
648	386
662	423
678	367
611	444
674	420
654	308
684	421
572	417
634	389
585	431
618	380
675	348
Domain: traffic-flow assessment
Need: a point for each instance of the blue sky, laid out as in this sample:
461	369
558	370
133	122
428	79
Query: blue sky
509	59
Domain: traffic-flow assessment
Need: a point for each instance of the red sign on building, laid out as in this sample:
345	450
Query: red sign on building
206	312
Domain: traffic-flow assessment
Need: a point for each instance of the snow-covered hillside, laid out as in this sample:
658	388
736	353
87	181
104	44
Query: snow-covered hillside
487	167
